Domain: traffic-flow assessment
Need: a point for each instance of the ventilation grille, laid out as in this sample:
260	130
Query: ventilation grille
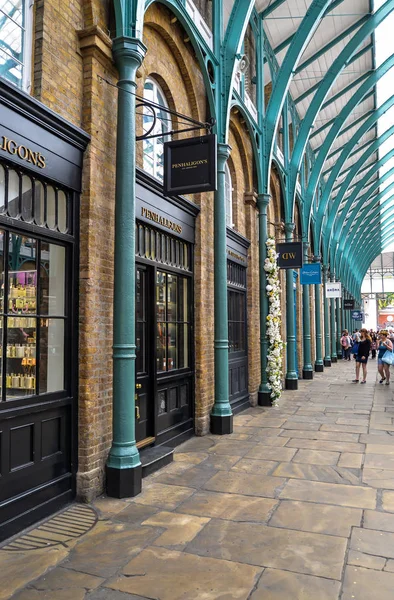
60	529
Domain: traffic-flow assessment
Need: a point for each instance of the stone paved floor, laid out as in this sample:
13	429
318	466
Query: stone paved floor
296	504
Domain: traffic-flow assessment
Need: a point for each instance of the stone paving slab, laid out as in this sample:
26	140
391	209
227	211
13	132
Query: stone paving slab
256	544
171	575
366	584
316	518
297	504
282	585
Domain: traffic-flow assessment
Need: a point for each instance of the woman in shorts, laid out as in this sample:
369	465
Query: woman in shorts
384	345
364	349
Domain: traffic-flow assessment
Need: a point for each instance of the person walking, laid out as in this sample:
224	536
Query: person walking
356	340
384	345
374	344
364	348
346	345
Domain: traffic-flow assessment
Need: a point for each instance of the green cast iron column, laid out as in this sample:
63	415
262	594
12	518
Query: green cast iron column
221	415
339	327
327	356
319	365
333	329
124	465
264	395
291	380
307	369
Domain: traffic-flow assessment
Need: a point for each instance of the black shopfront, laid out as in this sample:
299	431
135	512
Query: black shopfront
237	260
164	315
40	181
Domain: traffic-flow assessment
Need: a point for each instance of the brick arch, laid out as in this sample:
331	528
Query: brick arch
235	128
96	13
276	204
165	88
151	21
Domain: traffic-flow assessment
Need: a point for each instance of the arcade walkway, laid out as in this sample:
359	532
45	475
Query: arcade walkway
297	504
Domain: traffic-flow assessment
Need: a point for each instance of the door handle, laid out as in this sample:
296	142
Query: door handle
137	412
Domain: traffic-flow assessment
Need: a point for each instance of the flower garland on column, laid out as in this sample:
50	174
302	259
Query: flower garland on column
275	346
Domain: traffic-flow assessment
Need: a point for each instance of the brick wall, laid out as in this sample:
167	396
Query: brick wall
72	51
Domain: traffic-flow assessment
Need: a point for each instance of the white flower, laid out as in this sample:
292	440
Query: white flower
275	343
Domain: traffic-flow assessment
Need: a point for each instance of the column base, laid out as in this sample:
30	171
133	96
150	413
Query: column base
327	362
221	425
291	384
124	483
339	355
334	359
264	399
319	368
307	374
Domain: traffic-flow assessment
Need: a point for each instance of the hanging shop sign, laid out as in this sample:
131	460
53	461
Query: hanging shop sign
357	315
190	165
290	255
311	274
333	289
348	304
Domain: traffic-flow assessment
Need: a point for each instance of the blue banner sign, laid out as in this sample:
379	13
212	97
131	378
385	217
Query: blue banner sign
357	315
311	274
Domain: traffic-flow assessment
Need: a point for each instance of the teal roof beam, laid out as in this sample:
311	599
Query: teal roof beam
331	44
339	224
316	86
339	64
344	171
232	44
335	130
338	150
129	18
281	86
270	9
352	227
333	228
346	89
355	122
288	40
358	173
368	124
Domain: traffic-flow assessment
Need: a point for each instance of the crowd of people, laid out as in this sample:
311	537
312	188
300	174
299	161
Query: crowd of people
363	343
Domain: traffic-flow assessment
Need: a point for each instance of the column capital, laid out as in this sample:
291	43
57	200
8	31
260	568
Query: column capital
289	227
224	151
305	246
316	258
128	51
263	199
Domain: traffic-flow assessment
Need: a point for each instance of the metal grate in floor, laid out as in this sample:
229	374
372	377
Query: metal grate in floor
64	527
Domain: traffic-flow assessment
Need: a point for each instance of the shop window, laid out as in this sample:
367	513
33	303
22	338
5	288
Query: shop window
160	247
32	322
16	18
173	322
229	197
153	148
33	201
236	321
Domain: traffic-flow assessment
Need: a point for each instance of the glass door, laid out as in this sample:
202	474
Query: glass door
144	395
